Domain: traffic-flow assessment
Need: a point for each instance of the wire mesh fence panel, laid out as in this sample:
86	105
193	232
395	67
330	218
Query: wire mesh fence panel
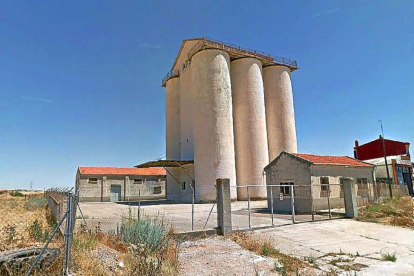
328	201
181	211
250	211
25	219
29	224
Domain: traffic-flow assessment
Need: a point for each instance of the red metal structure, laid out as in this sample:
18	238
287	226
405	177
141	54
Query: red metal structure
374	149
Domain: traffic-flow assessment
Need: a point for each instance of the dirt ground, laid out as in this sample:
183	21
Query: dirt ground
217	256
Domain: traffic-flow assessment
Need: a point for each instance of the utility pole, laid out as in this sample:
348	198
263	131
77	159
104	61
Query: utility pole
385	158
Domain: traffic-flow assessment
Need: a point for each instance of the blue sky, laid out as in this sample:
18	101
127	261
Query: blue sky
80	80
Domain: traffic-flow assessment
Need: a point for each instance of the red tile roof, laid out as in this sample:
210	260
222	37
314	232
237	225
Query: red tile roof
122	171
332	160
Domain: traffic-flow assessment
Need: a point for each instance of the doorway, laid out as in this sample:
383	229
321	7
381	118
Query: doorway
115	194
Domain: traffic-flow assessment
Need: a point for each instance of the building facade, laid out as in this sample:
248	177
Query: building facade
398	157
315	178
104	184
228	109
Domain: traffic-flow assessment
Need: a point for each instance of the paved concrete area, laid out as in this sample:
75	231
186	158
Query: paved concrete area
109	215
364	242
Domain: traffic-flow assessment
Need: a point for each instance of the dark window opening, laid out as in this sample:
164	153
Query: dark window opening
157	190
138	181
93	180
324	183
285	190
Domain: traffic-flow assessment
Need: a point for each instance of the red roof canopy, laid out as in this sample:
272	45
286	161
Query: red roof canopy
374	149
122	171
332	160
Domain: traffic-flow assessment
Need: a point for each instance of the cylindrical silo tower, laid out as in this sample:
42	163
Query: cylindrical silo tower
280	114
173	135
186	115
249	118
213	123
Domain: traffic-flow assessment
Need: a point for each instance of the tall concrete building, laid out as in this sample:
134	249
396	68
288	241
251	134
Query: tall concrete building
229	110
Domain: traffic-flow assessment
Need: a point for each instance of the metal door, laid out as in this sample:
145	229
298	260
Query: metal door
115	194
407	180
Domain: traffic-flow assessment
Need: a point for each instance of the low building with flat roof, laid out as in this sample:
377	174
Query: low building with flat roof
103	184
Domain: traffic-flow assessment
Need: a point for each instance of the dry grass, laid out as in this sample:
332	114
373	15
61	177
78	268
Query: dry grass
398	211
24	225
17	219
101	254
287	264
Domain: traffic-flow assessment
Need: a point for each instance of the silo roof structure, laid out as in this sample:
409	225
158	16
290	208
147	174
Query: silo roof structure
234	51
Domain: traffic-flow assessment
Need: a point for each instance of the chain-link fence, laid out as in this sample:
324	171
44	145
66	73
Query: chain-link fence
289	203
24	219
36	230
181	211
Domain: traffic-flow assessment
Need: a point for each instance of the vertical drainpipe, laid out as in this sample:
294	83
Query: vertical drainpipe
124	189
102	184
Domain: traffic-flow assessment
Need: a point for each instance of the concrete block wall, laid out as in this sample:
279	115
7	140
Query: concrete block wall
100	191
290	169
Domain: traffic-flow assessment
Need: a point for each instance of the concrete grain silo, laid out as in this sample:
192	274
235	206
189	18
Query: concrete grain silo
173	133
234	111
280	114
172	112
249	126
213	122
187	115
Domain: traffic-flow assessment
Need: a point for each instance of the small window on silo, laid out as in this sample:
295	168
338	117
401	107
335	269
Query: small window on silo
183	184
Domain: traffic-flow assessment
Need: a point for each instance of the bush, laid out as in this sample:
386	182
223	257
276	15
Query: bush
35	203
36	232
17	193
146	234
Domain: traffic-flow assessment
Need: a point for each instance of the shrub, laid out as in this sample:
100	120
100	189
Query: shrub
268	249
35	203
10	232
146	234
17	193
36	232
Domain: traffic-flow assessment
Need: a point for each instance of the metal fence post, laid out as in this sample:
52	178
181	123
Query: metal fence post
47	243
329	202
271	204
248	207
69	232
192	209
312	205
139	205
293	204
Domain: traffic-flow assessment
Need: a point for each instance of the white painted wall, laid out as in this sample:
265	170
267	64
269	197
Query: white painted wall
213	122
280	114
250	136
